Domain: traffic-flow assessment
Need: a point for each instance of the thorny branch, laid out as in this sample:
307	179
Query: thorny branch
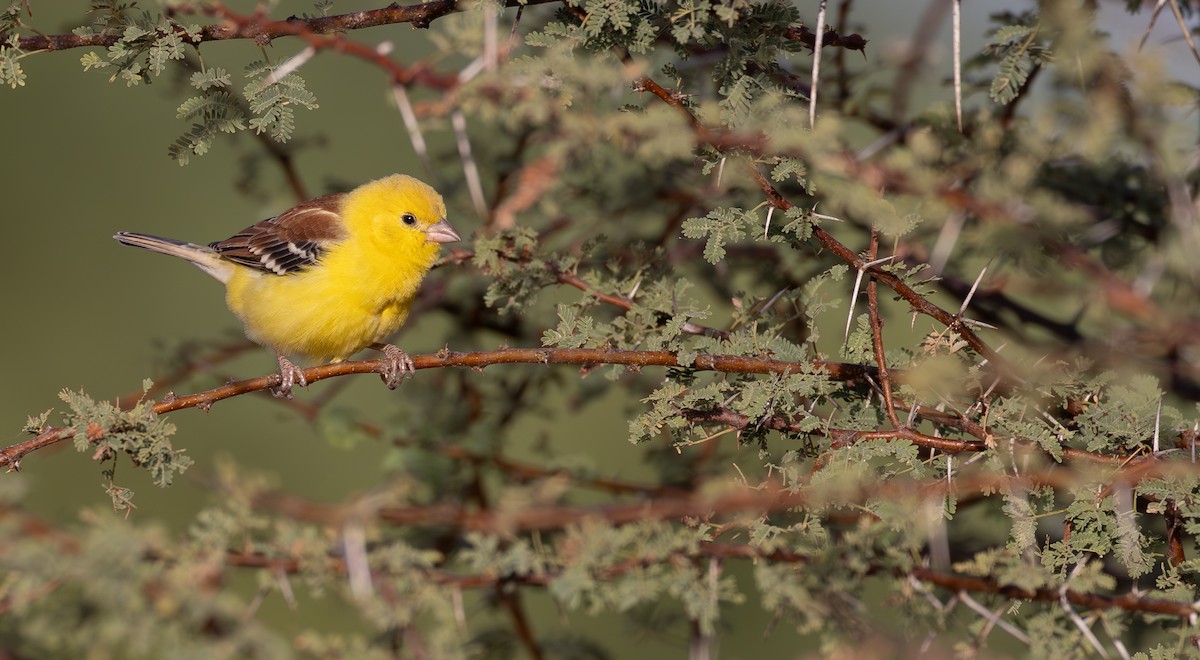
918	302
11	456
694	506
885	379
262	30
324	33
1130	601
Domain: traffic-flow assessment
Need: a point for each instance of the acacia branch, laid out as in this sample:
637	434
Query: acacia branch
262	29
420	16
10	457
1130	601
918	302
732	503
783	424
885	379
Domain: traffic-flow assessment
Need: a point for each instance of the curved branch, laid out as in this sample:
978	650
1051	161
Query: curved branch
420	16
10	457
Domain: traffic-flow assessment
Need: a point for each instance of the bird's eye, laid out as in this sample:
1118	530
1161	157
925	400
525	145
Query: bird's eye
409	219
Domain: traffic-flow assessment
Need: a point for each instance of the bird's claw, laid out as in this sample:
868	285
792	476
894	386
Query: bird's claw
397	366
289	375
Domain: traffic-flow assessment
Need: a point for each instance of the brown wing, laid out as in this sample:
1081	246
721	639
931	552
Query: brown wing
289	242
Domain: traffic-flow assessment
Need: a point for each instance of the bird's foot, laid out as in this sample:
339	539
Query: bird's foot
289	375
398	365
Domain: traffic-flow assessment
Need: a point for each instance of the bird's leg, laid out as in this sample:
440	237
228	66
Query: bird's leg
398	364
289	374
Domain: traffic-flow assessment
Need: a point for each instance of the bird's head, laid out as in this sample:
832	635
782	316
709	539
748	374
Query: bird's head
401	211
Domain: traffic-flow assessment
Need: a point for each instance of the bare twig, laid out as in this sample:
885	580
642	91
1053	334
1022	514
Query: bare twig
885	381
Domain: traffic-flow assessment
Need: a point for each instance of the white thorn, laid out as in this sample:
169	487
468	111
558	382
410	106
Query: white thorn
470	171
1157	419
293	63
971	293
412	126
816	67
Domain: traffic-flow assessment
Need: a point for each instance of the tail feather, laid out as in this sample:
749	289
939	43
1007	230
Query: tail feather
202	256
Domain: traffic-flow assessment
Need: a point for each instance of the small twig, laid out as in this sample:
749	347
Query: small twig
512	36
1158	7
858	278
1175	527
885	381
1184	29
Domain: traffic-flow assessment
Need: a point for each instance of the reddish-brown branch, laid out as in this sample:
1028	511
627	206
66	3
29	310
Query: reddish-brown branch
1132	602
420	16
262	29
885	380
624	303
511	599
1174	520
1128	601
11	456
843	436
549	516
831	39
730	505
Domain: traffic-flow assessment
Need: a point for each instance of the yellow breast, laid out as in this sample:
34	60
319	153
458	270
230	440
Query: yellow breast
359	293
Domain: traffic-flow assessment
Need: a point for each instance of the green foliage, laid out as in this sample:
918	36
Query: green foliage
79	601
719	227
1018	49
108	431
780	483
145	46
272	98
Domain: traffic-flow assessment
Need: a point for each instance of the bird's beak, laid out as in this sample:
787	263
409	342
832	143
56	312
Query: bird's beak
441	232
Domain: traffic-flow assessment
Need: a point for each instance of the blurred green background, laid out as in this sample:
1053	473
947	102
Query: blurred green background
84	158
